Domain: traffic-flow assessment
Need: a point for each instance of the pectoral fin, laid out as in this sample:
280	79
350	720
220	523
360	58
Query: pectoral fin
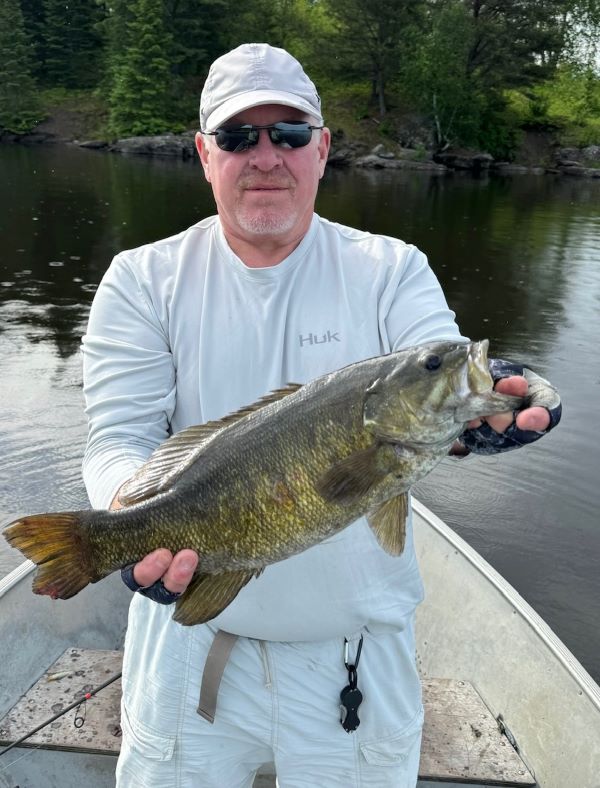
208	595
389	524
347	481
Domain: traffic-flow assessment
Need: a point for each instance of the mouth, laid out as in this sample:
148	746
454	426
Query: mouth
265	186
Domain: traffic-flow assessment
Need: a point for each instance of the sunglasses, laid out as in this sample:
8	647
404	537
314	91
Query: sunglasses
235	139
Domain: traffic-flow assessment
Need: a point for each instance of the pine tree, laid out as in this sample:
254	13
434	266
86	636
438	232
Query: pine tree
19	108
371	40
113	29
197	31
141	77
71	42
35	25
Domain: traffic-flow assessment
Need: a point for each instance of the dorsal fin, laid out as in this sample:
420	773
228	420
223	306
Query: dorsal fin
171	458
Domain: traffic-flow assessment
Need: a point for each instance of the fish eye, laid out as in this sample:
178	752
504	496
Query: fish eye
433	362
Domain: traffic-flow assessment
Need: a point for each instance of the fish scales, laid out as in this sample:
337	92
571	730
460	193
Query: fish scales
256	511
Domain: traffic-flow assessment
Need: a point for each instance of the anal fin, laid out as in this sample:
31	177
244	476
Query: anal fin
208	595
389	524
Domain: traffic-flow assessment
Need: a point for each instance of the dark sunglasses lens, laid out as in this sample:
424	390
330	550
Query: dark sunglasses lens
236	140
289	135
293	135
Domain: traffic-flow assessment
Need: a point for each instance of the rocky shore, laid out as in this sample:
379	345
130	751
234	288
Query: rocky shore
572	162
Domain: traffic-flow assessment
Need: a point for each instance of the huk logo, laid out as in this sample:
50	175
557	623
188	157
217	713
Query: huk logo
315	339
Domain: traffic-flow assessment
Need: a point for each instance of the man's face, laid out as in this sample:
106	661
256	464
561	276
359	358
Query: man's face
268	191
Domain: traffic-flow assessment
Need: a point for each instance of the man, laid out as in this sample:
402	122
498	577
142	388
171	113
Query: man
191	328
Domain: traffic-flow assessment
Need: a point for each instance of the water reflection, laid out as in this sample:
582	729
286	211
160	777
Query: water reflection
518	261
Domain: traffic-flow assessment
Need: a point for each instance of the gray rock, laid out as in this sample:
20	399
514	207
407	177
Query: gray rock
175	145
32	138
568	163
592	153
380	150
374	162
508	168
414	154
578	155
377	163
94	144
341	157
464	160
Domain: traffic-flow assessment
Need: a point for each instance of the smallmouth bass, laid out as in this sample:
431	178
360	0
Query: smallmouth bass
277	477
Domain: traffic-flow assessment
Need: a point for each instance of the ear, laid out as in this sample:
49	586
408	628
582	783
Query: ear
324	145
203	153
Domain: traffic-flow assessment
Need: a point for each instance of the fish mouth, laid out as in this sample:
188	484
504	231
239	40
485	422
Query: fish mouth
480	399
479	380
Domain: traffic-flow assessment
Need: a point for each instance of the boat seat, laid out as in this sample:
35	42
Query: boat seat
461	739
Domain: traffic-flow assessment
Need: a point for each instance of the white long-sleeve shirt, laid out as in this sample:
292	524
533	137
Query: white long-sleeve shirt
182	332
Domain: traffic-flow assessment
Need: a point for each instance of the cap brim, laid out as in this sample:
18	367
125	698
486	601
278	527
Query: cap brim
258	98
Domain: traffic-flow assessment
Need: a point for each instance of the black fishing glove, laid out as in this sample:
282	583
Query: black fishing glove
156	592
485	440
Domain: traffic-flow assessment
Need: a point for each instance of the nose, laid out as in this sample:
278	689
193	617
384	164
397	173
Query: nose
265	155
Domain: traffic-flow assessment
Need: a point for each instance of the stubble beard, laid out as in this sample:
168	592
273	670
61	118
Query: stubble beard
274	219
266	223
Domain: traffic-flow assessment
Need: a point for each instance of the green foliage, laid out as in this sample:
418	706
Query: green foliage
139	97
197	33
19	106
515	43
34	19
475	72
437	77
281	23
469	57
370	39
72	44
569	103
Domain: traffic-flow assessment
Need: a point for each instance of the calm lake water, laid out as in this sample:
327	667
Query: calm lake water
519	261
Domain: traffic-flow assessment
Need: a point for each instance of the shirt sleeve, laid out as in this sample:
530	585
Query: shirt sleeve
414	307
128	382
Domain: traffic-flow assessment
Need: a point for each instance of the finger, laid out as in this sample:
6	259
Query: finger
152	567
500	422
180	571
535	418
515	385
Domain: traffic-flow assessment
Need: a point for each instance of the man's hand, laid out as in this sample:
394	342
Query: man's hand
505	431
160	575
535	418
175	571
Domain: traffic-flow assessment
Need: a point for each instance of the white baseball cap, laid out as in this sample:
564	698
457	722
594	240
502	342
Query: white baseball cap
251	75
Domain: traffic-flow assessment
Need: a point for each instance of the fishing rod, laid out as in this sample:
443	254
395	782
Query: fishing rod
73	705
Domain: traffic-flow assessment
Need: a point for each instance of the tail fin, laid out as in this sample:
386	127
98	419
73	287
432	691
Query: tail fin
58	544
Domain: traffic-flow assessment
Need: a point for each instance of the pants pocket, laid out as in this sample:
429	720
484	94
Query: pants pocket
395	749
146	742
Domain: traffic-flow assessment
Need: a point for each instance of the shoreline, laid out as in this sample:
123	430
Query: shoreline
570	162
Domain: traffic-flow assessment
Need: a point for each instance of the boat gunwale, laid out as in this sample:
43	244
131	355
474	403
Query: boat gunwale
523	608
15	576
535	622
